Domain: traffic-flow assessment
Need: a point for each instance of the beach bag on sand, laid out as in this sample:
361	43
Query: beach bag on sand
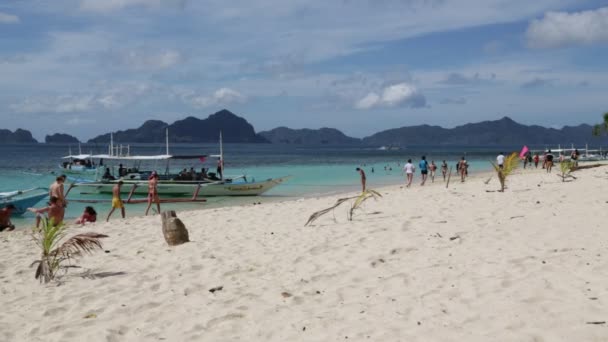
174	230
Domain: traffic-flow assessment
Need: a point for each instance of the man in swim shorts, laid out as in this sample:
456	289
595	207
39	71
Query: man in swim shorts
423	169
116	201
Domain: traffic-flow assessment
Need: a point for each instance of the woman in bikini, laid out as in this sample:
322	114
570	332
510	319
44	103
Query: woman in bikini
153	192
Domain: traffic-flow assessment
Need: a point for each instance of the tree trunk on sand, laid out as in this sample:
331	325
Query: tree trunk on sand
174	230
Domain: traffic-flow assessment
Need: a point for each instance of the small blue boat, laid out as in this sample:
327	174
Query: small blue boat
22	199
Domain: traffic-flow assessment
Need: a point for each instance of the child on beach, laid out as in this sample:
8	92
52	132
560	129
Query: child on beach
363	178
409	172
117	201
89	215
55	212
5	218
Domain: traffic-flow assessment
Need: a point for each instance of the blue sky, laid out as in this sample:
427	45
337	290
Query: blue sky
85	67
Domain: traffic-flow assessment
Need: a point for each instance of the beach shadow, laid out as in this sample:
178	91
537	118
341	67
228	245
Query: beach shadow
99	275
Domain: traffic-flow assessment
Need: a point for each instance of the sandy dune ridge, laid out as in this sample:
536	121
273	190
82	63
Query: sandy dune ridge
421	264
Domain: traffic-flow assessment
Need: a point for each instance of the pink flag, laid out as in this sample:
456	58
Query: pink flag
202	159
523	152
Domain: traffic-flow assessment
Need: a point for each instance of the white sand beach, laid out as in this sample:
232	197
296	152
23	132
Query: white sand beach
421	264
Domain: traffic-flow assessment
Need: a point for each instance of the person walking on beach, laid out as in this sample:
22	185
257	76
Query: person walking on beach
462	168
55	212
5	218
444	169
500	160
220	168
433	168
423	169
363	178
409	172
549	161
536	160
117	201
56	190
153	192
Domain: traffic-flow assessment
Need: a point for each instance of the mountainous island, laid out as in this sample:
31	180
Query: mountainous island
20	136
60	138
322	136
235	129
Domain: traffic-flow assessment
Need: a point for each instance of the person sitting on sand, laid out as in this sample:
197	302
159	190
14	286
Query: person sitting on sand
462	168
409	172
5	218
89	215
363	178
153	192
116	201
55	212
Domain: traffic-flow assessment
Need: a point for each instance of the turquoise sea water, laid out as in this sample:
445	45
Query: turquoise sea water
315	170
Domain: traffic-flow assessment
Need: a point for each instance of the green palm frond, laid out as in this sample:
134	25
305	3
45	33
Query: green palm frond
510	164
597	130
367	194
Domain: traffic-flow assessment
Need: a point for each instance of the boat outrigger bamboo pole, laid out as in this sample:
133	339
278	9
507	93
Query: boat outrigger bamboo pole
222	156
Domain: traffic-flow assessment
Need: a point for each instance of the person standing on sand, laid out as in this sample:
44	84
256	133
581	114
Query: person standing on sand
549	161
55	212
363	178
433	168
500	160
444	169
220	168
423	169
462	168
117	201
5	218
56	190
409	172
153	192
536	159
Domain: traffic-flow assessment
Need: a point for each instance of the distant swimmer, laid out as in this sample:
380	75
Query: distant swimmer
409	172
363	178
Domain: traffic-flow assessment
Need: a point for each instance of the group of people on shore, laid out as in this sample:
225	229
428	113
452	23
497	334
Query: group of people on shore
54	212
426	169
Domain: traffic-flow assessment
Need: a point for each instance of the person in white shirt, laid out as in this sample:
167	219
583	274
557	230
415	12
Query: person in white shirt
500	160
409	172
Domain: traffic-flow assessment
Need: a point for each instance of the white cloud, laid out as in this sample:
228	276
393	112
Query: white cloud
142	58
401	94
103	6
222	96
558	29
6	18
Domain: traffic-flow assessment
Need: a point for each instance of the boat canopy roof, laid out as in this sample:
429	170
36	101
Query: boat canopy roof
78	156
156	157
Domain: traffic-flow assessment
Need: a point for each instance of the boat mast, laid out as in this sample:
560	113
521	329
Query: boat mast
222	156
167	139
111	144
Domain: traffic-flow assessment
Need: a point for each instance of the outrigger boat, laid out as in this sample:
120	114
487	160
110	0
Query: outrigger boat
135	180
21	199
79	164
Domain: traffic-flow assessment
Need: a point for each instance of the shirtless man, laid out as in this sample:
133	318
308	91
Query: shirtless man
5	218
153	192
363	178
56	190
116	201
55	212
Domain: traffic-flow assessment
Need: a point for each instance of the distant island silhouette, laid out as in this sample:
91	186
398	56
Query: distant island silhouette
236	129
